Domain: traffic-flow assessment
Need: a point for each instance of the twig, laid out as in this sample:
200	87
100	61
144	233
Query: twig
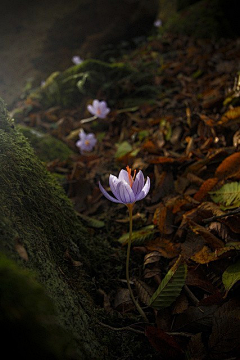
230	213
124	328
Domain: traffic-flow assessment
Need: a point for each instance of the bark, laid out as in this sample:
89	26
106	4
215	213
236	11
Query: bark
38	227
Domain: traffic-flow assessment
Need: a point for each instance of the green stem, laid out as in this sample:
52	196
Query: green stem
130	207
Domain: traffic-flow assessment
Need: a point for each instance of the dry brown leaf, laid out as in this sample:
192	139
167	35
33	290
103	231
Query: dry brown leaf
196	277
165	247
230	167
212	241
163	219
164	185
181	304
150	147
207	120
207	186
151	258
205	255
162	160
123	301
144	291
22	252
165	344
230	115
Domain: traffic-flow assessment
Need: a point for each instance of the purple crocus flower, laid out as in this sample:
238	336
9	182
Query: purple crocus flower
98	108
127	189
157	23
86	142
77	60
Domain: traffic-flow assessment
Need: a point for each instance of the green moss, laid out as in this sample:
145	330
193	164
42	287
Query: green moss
46	147
27	316
203	19
114	81
35	211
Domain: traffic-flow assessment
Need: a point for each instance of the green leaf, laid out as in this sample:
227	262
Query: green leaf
123	149
94	223
138	236
170	287
228	196
231	275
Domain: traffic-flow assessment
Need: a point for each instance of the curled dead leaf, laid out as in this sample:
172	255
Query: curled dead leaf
207	186
230	167
165	247
22	252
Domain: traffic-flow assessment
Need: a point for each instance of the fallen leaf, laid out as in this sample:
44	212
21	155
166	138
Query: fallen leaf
230	167
165	344
22	252
207	186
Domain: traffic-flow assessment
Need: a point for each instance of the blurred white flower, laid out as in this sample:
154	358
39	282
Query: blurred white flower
77	60
157	23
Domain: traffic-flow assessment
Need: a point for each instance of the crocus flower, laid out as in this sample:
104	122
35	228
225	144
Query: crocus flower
157	23
98	108
86	142
77	60
126	188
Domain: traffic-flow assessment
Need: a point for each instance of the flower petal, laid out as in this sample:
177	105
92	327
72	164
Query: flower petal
113	182
144	191
95	104
125	193
123	176
138	183
82	134
109	197
91	109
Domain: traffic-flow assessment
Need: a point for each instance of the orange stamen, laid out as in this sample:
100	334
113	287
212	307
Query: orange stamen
87	142
130	177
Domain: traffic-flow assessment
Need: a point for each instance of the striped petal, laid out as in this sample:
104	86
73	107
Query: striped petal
109	197
123	176
113	182
125	193
144	191
138	183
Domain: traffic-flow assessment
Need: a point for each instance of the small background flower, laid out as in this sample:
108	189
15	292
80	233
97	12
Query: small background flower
86	142
77	60
157	23
98	108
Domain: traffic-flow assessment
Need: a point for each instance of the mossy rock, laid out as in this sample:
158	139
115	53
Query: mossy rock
27	317
40	232
46	147
212	19
94	78
35	212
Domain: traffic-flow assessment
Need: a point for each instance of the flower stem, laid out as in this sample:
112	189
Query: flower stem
141	312
83	121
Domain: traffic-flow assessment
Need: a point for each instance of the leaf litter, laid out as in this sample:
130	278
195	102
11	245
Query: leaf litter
185	137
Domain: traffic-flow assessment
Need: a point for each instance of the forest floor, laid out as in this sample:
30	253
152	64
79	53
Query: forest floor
186	231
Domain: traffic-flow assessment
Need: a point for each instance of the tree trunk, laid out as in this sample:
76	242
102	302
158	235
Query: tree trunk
41	232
